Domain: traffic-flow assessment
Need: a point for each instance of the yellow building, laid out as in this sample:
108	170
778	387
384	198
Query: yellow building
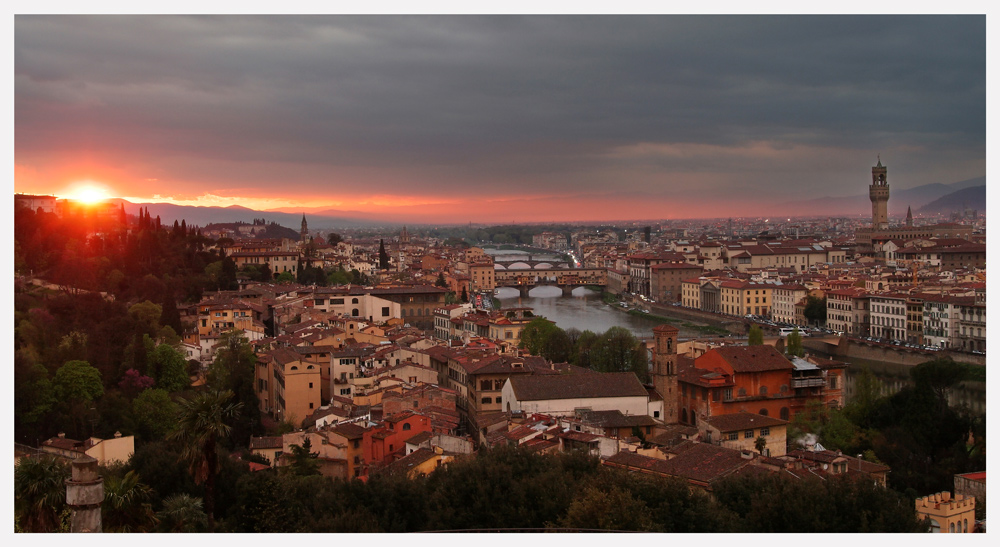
743	297
948	514
740	431
287	386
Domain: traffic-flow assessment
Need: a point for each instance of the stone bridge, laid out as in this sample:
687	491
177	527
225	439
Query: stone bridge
565	278
529	263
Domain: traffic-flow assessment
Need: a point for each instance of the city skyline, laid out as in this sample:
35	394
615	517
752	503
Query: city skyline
523	119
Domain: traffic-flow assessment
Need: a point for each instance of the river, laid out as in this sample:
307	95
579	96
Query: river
584	310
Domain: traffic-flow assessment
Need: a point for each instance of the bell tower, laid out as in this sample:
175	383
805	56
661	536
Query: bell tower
878	192
665	371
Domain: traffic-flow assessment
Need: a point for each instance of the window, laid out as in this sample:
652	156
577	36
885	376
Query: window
763	390
748	434
487	400
354	301
765	431
734	436
336	301
356	443
498	400
716	394
833	382
310	385
310	406
385	311
656	413
406	427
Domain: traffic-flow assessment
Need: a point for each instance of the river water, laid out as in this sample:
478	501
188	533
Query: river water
584	310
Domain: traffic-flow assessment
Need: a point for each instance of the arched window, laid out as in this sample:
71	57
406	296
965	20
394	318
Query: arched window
966	523
684	415
295	368
951	528
935	527
406	427
354	312
354	301
763	390
763	412
694	418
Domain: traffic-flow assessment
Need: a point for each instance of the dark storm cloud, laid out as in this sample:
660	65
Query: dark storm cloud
464	98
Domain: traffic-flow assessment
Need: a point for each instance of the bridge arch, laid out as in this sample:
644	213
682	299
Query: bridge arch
518	266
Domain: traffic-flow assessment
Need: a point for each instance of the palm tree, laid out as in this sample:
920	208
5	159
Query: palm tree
201	423
182	513
40	493
126	506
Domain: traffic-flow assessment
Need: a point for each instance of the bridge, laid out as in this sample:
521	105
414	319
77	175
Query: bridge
519	262
565	278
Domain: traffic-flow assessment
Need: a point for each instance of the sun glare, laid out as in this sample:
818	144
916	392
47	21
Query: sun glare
89	194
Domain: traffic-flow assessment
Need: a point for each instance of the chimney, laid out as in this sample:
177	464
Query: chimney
62	435
118	434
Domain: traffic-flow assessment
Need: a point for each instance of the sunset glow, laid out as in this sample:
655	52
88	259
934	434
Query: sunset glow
88	193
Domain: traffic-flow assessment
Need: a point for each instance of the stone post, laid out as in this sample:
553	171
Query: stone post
84	494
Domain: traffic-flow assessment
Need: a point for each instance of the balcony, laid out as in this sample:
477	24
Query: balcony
807	382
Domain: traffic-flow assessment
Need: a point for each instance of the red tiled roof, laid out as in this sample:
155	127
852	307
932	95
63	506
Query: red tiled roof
751	358
572	386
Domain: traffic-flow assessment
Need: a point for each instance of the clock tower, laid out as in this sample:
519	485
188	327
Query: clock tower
878	192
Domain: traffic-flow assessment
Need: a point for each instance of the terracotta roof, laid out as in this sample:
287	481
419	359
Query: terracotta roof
752	358
577	386
410	461
742	420
615	419
349	431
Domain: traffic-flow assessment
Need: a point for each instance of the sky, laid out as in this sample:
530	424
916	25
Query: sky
496	118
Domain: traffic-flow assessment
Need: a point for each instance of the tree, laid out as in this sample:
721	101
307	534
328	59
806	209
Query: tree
39	493
333	238
615	509
126	506
77	385
535	334
233	369
618	350
760	444
303	461
755	336
440	280
153	415
170	368
815	310
201	424
383	257
794	341
465	295
285	278
182	513
133	382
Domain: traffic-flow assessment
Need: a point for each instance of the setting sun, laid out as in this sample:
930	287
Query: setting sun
89	194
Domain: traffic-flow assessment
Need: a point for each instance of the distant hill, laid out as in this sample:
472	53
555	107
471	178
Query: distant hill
271	231
899	200
202	216
973	198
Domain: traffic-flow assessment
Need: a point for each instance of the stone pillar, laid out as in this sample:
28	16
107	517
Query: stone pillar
84	494
523	290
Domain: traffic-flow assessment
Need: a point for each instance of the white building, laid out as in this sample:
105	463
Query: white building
888	316
566	394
